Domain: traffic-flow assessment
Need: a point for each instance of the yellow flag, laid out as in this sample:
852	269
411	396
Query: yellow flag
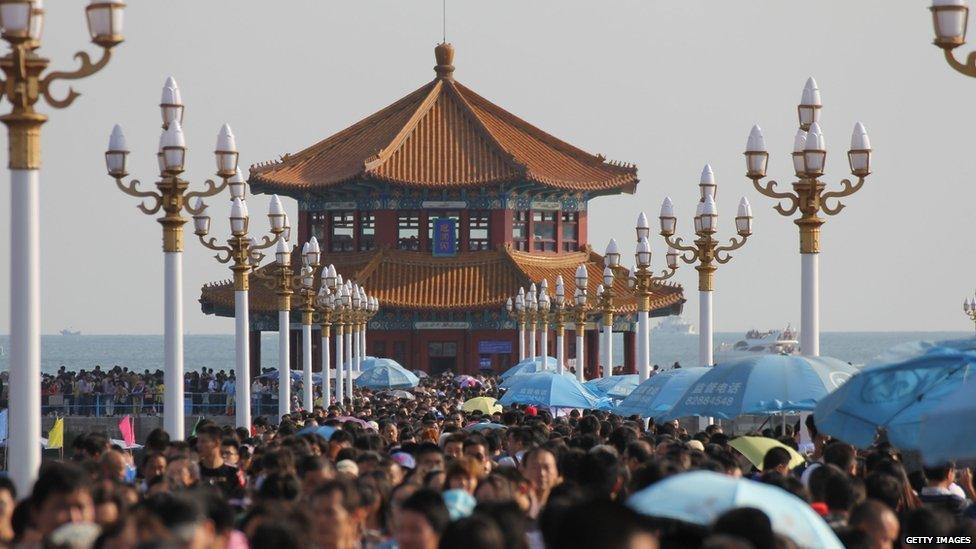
55	437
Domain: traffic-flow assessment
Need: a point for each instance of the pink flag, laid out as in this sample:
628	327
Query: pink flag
128	433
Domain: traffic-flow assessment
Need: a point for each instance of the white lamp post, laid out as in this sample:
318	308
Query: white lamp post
521	313
24	85
532	305
580	311
809	197
605	297
244	253
341	311
544	306
560	317
643	284
706	252
347	345
327	309
283	260
172	198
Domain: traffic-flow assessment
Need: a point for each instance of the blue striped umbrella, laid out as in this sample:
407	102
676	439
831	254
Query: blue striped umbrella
551	390
764	384
700	497
659	393
946	431
512	380
615	387
894	397
531	366
387	374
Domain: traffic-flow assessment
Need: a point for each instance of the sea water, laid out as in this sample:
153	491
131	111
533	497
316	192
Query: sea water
145	352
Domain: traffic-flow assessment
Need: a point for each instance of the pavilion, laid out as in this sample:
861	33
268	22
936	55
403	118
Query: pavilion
510	205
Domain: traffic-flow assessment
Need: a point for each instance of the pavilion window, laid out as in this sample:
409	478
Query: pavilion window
319	221
343	226
520	230
543	231
367	232
408	231
432	215
478	230
570	230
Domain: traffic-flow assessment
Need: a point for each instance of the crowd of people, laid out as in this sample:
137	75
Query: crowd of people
390	472
119	391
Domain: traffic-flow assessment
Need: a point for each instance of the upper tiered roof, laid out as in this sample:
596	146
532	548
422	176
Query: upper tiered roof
444	136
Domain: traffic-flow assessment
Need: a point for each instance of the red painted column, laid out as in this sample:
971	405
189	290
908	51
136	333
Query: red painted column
500	228
630	353
386	228
424	234
464	223
592	351
305	226
581	231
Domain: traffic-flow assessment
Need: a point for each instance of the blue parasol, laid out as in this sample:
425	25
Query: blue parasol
764	384
659	393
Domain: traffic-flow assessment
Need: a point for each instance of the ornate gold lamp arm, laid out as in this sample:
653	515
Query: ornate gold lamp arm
212	244
131	189
665	274
210	190
847	190
87	68
675	242
769	190
968	68
266	242
734	244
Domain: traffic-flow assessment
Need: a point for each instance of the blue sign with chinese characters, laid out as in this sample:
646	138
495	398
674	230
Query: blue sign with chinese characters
445	237
494	347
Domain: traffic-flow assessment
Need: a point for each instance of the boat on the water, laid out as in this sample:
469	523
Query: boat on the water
674	325
67	332
756	342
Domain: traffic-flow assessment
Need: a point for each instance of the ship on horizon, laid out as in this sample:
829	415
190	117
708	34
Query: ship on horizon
67	332
675	325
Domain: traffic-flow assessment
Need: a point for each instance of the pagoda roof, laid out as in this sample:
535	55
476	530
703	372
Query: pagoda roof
409	280
444	136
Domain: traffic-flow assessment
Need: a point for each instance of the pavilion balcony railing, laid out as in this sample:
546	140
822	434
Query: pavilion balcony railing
100	405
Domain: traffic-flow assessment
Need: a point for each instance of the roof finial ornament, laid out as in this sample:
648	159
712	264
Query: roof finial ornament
444	53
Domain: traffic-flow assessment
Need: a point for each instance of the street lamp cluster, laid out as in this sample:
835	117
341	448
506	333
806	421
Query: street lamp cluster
347	306
809	197
243	254
173	197
25	81
241	251
706	253
534	308
643	281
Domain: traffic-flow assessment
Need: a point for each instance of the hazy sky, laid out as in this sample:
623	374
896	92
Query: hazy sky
668	85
